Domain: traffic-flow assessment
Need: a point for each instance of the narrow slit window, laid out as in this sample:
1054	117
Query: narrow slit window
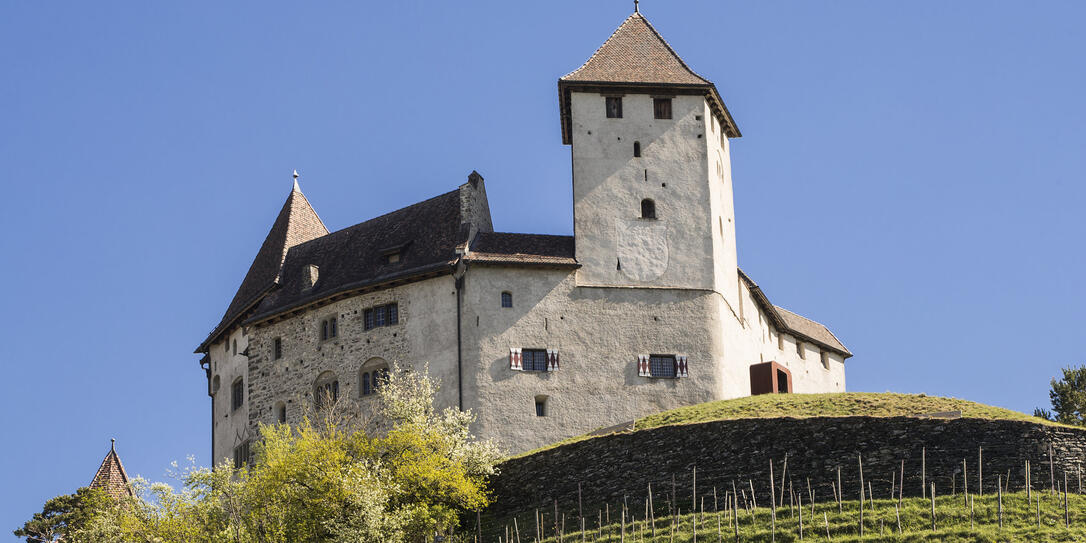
277	348
614	107
648	209
237	394
540	406
637	149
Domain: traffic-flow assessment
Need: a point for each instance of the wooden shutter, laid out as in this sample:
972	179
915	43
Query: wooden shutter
552	360
516	362
680	366
643	366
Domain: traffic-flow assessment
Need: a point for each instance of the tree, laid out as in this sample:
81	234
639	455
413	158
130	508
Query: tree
400	476
1068	397
62	515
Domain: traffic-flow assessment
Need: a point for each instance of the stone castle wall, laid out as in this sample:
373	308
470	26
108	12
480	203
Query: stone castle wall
611	467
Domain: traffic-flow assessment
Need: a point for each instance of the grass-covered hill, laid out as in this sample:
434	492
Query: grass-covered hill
842	404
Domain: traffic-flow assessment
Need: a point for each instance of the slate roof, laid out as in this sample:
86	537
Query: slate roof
795	324
425	235
636	55
297	222
111	475
522	249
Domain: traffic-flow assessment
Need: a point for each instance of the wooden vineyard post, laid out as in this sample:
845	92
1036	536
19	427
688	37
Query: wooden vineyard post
923	472
860	460
840	491
897	515
784	473
652	514
1066	514
1051	471
580	510
971	514
933	506
694	503
901	487
799	505
999	481
980	471
826	519
965	483
772	505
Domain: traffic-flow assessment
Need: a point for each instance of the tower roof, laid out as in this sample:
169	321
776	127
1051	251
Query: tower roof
297	223
111	476
636	57
636	53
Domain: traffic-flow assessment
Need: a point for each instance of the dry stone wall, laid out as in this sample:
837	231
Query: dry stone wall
612	467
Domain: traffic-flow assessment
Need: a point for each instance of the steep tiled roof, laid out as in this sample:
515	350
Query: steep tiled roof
636	53
637	57
522	249
111	476
425	236
297	222
792	323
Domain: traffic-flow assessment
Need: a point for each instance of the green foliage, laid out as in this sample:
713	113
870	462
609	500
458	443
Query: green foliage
62	515
1068	397
398	477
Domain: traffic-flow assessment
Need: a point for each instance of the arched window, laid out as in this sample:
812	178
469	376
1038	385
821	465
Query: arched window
215	383
326	390
648	209
507	299
637	149
281	412
372	374
237	394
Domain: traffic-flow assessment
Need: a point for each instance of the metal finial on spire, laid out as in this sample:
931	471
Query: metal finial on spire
636	9
112	444
296	187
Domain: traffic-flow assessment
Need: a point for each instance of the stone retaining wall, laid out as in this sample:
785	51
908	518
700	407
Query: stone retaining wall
611	467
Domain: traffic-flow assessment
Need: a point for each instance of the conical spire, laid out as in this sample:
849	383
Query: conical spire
111	476
297	223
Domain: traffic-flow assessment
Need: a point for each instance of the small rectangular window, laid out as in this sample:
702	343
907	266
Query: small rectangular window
534	359
382	315
333	327
277	348
282	414
392	258
662	365
393	314
614	107
368	318
241	455
507	299
540	408
324	330
237	394
661	108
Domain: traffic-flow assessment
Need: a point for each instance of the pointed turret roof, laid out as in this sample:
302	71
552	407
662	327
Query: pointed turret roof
636	53
111	475
636	57
297	223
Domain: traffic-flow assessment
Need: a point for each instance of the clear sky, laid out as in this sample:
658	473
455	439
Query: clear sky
911	174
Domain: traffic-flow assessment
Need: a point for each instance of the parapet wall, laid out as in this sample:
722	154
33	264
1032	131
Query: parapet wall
612	467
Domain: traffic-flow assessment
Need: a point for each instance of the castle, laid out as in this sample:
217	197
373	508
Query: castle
543	337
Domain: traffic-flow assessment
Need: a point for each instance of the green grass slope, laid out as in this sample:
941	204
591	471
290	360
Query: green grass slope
841	404
954	522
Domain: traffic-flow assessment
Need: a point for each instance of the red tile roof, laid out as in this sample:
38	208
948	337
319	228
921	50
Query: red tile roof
111	476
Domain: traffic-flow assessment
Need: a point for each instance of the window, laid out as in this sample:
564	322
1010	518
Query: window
312	273
637	149
662	365
329	328
235	349
614	107
661	108
277	348
780	340
237	394
540	406
825	359
326	390
281	412
372	375
507	299
534	359
799	350
215	385
382	315
241	455
392	258
648	209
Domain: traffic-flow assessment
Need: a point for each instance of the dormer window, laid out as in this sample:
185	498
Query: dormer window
309	278
393	254
648	209
661	108
614	107
392	258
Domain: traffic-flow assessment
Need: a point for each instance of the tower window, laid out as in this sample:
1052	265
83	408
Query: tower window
540	406
281	412
507	299
241	455
237	394
637	149
648	209
235	347
661	108
326	390
534	359
277	348
614	107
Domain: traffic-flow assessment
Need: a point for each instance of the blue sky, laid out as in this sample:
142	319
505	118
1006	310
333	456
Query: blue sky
910	174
